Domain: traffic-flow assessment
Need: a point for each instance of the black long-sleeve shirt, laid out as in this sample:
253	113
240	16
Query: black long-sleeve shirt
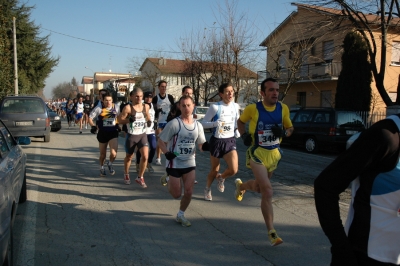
374	152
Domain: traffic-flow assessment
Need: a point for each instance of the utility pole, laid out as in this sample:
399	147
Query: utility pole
15	59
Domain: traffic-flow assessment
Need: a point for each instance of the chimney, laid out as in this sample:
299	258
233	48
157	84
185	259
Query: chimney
161	61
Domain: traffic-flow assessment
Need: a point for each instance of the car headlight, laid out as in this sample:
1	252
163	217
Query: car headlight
56	117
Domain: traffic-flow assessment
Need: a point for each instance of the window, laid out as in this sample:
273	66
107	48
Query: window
322	117
396	53
184	80
328	51
303	116
294	50
313	50
301	99
282	59
326	98
4	149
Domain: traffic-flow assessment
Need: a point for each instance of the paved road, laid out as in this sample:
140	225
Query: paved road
75	217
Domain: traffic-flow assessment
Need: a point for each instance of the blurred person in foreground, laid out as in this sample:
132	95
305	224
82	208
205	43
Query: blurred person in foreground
371	235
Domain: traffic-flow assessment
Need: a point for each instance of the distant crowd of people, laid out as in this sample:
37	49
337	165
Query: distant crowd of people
76	110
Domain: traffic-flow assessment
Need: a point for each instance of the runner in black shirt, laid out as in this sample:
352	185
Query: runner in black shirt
87	107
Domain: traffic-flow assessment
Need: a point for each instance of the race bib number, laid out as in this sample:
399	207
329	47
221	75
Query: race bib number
266	138
225	127
185	149
108	122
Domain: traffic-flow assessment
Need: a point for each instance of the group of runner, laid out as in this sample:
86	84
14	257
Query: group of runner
178	133
269	121
76	110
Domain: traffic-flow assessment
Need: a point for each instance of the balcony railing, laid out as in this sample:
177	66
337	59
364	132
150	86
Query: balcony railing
306	73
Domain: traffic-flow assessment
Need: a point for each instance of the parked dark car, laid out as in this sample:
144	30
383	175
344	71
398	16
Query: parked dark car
324	128
26	116
12	187
55	120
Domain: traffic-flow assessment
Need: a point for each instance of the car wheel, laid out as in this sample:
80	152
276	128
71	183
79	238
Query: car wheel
47	138
8	260
311	145
22	195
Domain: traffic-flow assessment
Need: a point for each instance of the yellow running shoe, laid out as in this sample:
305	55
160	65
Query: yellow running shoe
238	192
274	238
163	179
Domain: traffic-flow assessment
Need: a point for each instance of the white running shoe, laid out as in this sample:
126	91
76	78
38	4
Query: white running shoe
158	161
207	194
220	185
183	221
141	182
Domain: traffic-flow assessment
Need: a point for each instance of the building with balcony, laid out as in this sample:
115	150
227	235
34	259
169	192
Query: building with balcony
304	53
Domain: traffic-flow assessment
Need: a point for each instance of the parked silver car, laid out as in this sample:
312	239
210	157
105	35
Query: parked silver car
200	111
12	187
26	116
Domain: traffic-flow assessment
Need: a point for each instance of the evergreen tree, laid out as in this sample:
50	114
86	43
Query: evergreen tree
6	68
354	83
35	62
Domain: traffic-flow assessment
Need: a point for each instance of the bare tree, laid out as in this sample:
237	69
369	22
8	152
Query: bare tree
63	90
152	77
218	53
375	21
291	53
238	39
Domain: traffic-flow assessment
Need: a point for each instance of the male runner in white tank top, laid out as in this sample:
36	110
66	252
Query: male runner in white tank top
178	142
136	115
162	103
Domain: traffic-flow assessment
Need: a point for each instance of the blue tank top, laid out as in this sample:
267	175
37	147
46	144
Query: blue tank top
263	135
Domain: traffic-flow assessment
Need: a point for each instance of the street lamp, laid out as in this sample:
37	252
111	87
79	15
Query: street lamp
92	83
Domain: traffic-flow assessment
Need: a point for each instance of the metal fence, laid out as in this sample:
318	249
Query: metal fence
371	118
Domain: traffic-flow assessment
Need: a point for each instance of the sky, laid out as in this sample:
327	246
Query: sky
102	36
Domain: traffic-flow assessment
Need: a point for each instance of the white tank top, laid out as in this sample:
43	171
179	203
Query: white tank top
137	127
165	106
227	115
150	130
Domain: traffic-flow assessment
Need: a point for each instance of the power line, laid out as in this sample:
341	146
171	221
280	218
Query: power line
102	43
133	48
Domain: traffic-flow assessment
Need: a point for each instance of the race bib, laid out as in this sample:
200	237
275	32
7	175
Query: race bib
266	138
185	149
108	122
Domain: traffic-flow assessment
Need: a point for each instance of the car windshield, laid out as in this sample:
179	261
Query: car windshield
22	106
344	118
201	110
